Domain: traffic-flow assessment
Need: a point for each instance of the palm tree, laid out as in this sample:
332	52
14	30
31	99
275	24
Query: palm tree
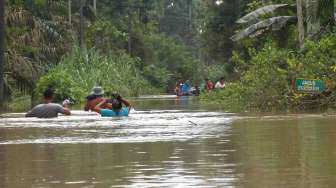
44	41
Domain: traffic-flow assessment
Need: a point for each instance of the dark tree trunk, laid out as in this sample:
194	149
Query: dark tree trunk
2	55
312	18
95	7
190	15
81	29
69	11
129	31
301	28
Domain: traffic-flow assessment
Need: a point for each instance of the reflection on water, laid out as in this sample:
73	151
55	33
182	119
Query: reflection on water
167	143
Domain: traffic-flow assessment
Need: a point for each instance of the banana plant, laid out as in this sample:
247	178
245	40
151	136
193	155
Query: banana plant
273	23
255	15
318	13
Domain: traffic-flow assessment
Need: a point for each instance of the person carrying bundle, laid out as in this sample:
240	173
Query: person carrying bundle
117	107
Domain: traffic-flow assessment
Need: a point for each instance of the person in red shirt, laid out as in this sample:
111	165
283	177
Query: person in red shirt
209	85
177	89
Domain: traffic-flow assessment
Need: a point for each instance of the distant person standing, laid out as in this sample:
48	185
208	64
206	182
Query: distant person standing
208	85
186	88
178	88
49	109
220	84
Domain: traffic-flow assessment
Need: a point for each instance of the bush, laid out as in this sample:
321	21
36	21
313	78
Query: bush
266	84
263	87
166	61
76	75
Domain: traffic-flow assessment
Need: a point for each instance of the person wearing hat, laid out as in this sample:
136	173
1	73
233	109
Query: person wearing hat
96	96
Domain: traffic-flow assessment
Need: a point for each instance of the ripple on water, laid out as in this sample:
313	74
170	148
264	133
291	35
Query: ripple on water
140	126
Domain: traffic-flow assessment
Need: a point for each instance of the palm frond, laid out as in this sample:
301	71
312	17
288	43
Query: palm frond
17	16
274	23
21	68
58	4
45	27
259	12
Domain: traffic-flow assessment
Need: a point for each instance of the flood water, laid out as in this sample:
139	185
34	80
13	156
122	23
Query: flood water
168	142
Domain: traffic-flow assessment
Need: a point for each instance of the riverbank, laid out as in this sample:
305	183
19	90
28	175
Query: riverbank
267	79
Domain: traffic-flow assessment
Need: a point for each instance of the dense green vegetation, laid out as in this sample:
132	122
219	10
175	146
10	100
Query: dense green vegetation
267	82
143	46
270	61
129	47
74	78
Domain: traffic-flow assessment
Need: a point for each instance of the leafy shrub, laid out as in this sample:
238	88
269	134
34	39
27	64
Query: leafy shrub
105	36
267	83
168	60
263	87
76	75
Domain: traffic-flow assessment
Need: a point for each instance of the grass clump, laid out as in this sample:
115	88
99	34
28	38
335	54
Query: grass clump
77	74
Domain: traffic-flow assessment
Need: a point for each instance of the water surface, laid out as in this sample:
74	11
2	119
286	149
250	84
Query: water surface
168	142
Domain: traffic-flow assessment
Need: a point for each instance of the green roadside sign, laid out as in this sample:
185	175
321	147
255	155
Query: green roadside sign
309	86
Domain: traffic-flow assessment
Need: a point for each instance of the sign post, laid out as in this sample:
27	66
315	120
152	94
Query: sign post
309	85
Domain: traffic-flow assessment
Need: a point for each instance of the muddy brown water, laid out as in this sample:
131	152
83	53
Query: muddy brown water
168	142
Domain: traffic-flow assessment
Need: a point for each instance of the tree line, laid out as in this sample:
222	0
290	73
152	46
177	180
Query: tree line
162	40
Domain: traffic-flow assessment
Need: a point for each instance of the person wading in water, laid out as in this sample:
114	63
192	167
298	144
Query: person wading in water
49	109
95	98
117	109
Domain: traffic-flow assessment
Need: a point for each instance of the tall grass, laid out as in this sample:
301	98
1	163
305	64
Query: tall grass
77	74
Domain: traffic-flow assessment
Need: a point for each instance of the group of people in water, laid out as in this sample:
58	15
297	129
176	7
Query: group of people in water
114	106
96	102
185	89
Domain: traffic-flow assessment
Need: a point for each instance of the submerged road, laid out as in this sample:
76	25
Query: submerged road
167	142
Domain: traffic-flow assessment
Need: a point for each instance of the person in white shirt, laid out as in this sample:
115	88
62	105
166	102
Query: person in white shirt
220	84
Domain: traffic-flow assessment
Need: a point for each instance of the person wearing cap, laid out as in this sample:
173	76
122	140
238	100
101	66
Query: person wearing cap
49	109
95	98
117	107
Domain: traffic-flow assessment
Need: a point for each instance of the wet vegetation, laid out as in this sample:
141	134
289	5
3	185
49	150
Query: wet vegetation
143	46
273	51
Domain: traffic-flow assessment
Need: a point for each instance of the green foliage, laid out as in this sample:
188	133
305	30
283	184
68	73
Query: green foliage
219	27
104	35
74	77
266	84
164	60
214	72
34	42
63	83
232	98
20	103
